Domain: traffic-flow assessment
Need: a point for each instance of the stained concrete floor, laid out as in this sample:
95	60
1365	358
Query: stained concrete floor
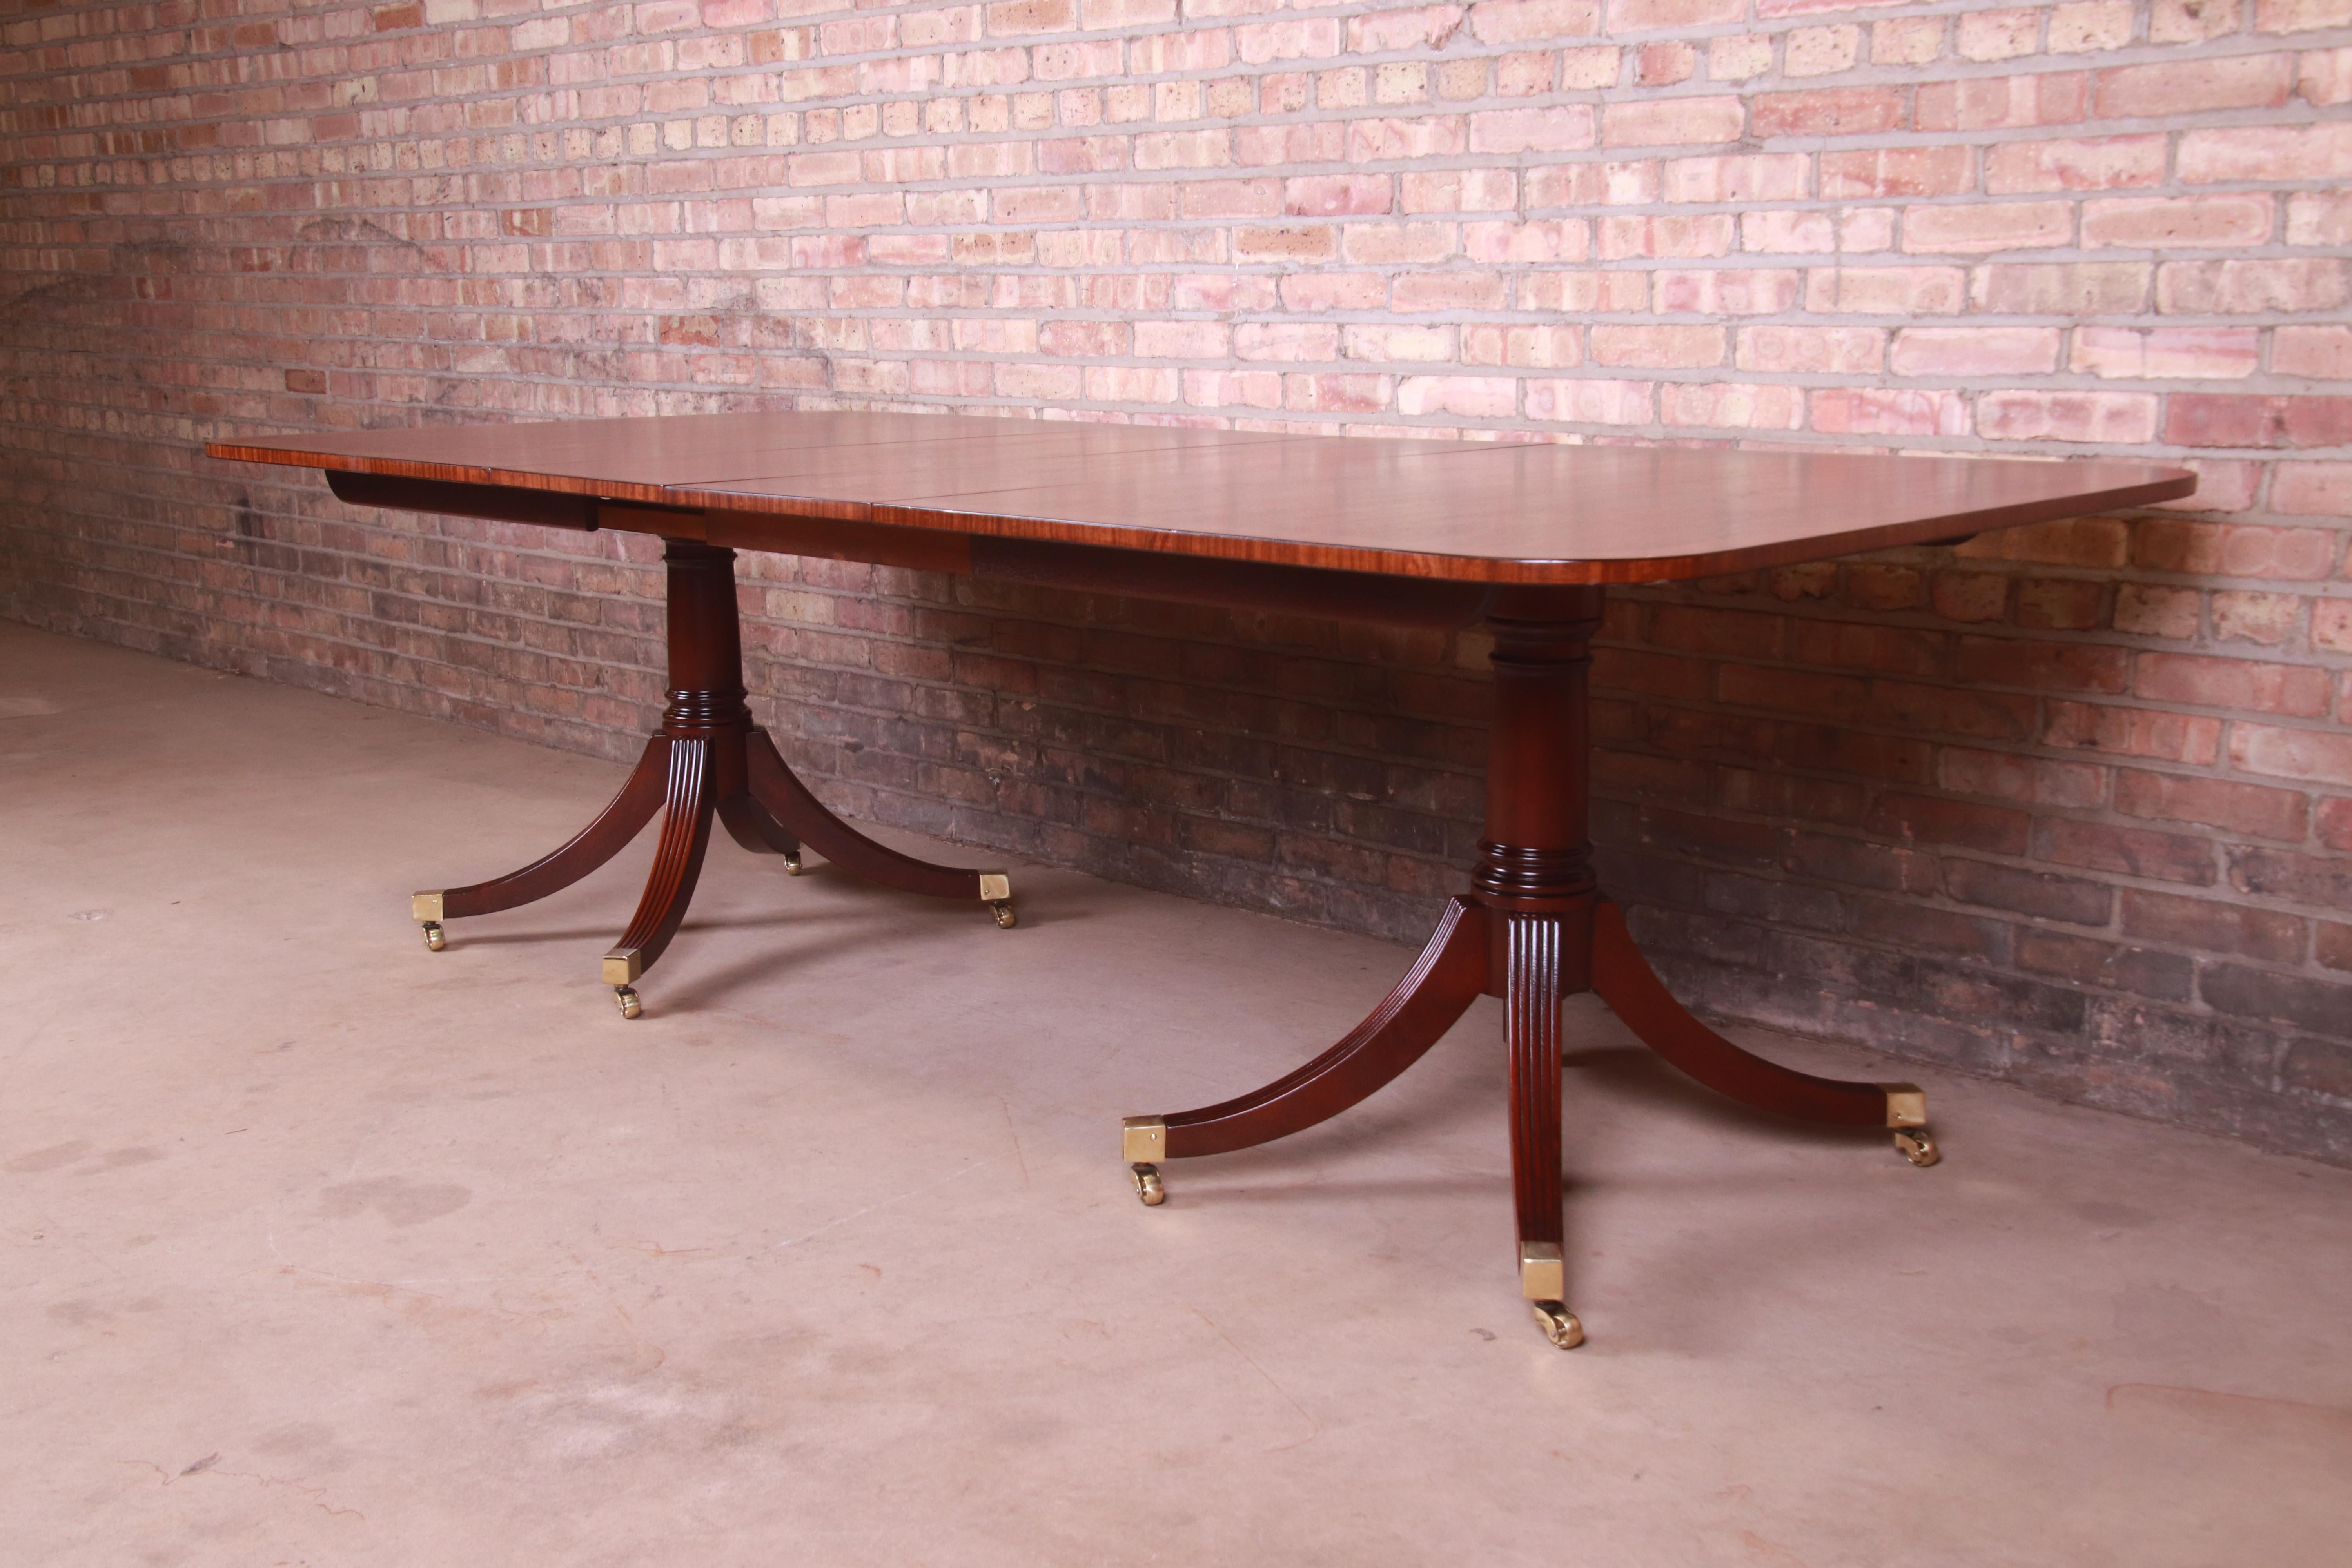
321	1248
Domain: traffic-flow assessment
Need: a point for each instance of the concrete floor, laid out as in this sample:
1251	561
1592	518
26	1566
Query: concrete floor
321	1248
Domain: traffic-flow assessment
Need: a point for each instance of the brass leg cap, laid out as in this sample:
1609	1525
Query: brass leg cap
626	998
1146	1180
1913	1144
1558	1324
793	864
434	938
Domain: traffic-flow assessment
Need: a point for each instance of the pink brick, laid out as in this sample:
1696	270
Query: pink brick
2331	624
2296	691
1974	350
2133	732
2156	222
1535	348
2075	164
1545	239
1337	394
2234	288
1418	291
1983	226
2317	756
1332	195
2110	418
1888	411
1887	290
1650	16
1900	172
1835	350
1461	190
2236	550
1742	291
2321	152
2231	419
1589	184
2191	87
2324	76
2184	352
1664	347
1826	112
2301	15
2319	218
1566	127
1766	9
1663	64
1746	406
1518	21
1781	232
1744	177
1671	122
1592	402
2324	354
1704	234
1997	103
2313	490
1464	396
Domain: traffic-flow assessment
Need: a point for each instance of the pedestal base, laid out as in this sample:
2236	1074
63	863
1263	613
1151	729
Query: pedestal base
1534	929
707	760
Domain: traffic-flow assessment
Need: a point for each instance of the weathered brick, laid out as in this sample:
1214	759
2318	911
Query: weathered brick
2253	809
2213	925
1607	220
2040	893
2130	851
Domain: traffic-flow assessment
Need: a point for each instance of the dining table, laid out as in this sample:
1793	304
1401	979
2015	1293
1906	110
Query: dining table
1518	539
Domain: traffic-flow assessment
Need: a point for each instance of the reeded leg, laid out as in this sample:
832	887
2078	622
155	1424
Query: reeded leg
1531	992
778	790
640	796
1635	993
678	862
1449	976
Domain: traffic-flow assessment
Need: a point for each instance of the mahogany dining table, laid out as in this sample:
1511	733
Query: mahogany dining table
1519	539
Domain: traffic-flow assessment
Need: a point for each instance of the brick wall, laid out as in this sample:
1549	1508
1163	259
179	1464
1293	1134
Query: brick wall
2071	805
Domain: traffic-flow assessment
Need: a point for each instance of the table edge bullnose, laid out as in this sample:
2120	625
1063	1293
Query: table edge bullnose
2161	484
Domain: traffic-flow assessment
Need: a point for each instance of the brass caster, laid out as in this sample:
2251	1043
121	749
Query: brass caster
1145	1179
626	998
1004	915
1558	1324
434	939
1913	1144
793	864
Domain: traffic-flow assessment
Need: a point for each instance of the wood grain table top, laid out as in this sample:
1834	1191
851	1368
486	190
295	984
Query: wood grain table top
1478	511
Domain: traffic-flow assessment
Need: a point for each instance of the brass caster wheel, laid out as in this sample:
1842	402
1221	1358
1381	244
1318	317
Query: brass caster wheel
793	864
1004	915
626	998
1145	1179
434	938
1558	1324
1913	1144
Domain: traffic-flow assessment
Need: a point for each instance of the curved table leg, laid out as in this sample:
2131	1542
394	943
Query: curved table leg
640	796
1635	993
678	862
755	828
778	790
1449	976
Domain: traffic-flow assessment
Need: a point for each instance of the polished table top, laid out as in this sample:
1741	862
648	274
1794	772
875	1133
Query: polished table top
1470	511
